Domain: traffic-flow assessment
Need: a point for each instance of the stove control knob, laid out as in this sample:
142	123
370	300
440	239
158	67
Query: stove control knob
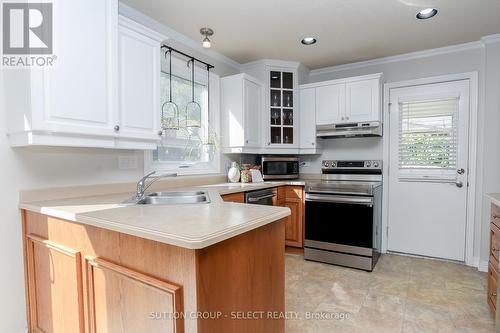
368	164
326	164
334	164
375	164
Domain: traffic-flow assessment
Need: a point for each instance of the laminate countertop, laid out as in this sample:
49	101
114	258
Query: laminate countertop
192	226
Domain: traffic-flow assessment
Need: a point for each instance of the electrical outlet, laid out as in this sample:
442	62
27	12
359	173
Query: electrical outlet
129	162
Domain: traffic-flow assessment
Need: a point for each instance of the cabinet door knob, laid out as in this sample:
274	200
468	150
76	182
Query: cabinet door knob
117	128
160	133
342	118
312	143
246	141
347	118
269	143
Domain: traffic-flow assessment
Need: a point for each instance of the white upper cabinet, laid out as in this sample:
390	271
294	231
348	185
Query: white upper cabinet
349	100
78	94
139	109
102	90
253	110
363	100
241	108
308	105
330	103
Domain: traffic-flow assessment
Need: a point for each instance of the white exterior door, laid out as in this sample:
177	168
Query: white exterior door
253	109
428	169
330	104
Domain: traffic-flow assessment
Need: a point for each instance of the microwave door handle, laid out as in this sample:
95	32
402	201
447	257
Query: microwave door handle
367	201
255	199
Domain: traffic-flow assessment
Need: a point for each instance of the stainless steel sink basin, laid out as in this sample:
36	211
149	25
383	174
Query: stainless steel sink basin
175	198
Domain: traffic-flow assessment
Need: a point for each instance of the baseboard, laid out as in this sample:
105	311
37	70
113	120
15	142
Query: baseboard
483	266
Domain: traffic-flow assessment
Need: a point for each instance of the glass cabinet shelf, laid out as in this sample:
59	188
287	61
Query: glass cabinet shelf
281	107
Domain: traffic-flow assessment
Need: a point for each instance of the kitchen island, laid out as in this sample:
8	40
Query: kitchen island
94	265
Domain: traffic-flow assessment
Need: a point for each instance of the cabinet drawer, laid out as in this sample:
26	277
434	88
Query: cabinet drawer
494	241
492	286
495	215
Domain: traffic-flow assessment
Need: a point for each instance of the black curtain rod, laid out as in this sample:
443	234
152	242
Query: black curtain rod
187	56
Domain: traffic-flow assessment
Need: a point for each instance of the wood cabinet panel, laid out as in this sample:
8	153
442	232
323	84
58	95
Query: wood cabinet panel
234	197
492	287
292	197
241	275
54	279
122	300
495	215
494	255
494	241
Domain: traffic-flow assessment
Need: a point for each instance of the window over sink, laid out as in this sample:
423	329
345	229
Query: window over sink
188	150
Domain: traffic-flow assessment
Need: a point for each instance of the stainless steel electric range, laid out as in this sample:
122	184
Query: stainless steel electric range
344	214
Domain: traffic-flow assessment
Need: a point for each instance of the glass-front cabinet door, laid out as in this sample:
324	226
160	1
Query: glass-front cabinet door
281	110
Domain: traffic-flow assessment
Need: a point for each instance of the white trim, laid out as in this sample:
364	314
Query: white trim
343	80
401	57
177	36
490	39
482	265
140	29
272	63
473	133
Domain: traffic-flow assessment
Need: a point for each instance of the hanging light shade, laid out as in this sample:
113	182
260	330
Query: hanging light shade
207	32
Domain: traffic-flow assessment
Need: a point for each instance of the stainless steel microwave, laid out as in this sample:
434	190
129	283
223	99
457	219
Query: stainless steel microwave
274	167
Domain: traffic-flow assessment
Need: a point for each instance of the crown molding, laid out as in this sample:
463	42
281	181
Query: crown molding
490	39
149	22
402	57
272	62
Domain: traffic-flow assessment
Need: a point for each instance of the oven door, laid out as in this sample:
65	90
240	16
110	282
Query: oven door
345	220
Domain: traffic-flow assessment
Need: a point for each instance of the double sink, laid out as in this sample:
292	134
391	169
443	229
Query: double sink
174	198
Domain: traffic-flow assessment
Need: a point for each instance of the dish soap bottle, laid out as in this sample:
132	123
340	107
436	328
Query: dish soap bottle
233	175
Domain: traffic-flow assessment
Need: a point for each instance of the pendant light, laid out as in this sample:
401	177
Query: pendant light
170	110
207	32
193	108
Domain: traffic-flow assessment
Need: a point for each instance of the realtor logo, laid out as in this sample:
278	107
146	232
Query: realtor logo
27	28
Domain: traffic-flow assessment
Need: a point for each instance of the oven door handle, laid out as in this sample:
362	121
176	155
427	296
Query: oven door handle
367	201
255	199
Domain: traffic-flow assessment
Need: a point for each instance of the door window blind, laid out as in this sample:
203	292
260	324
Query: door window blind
428	139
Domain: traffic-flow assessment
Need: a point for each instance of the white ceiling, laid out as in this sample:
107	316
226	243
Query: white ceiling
347	30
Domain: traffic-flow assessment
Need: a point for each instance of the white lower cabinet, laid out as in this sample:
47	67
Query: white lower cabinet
102	91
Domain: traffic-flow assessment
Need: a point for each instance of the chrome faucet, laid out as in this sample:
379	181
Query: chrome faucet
143	184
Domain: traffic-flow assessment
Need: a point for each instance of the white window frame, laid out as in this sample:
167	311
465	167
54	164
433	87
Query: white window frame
422	174
188	168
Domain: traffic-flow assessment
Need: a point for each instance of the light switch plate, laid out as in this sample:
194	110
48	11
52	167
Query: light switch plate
128	162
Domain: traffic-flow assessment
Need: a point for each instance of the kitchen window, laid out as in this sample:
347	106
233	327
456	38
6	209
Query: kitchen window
188	150
428	139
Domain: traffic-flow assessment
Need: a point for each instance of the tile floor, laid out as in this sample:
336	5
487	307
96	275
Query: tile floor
402	295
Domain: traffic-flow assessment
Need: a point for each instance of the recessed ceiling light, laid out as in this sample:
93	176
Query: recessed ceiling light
308	40
427	13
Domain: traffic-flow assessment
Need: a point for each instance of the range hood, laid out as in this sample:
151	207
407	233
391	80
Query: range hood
347	130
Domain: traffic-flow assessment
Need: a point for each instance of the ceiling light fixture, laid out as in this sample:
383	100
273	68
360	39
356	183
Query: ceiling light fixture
206	41
427	13
308	40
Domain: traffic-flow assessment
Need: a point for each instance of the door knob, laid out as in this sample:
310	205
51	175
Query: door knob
459	184
117	128
461	171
